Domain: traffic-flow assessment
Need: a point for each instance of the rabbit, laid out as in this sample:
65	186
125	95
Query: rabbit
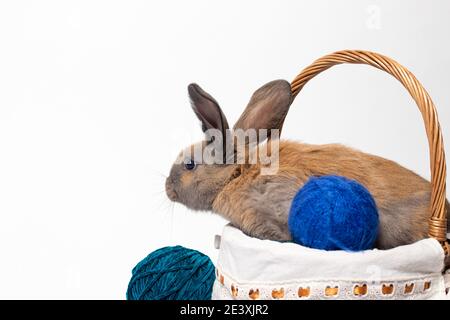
259	204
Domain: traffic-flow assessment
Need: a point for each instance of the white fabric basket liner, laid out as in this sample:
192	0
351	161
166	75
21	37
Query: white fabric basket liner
249	268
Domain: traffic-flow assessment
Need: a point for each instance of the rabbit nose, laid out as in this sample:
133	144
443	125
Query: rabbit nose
170	190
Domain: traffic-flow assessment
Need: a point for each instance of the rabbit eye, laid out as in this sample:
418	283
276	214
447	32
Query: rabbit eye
190	165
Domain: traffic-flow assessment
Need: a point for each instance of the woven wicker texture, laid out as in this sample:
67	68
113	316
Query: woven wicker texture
438	221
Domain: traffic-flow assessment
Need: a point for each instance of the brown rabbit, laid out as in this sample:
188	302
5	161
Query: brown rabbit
259	204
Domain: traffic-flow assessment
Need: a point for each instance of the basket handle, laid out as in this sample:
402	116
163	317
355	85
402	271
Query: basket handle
438	220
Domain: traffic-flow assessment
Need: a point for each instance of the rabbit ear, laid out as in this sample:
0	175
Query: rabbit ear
267	108
207	109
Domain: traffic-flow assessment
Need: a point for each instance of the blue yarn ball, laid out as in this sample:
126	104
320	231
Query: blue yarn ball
172	273
334	213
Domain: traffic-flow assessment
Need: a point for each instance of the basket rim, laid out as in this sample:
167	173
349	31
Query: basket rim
235	258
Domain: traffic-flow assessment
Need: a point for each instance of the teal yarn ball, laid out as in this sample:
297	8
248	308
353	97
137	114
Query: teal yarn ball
172	273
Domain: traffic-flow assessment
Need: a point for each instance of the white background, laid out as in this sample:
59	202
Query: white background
93	109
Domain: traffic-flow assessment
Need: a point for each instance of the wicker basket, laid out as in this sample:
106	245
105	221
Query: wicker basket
249	268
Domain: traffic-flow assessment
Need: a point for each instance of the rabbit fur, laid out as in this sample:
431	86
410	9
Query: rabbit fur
259	204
